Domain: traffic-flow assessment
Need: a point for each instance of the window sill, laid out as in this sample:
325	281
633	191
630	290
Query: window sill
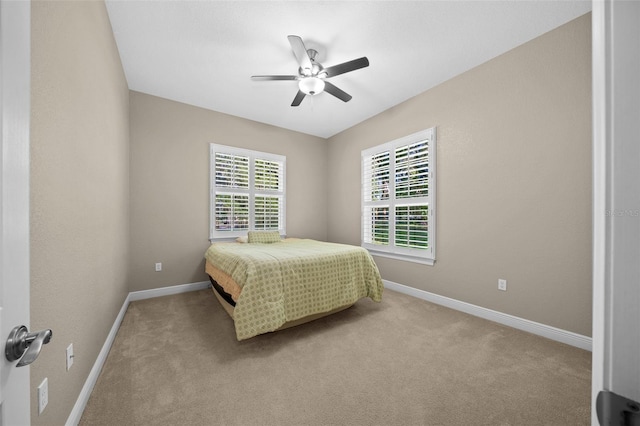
402	257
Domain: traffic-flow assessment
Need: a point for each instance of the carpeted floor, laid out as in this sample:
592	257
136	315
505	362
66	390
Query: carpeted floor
176	361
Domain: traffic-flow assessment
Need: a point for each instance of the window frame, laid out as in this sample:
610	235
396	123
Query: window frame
251	191
391	250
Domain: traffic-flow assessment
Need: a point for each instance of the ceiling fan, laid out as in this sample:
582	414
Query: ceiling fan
312	75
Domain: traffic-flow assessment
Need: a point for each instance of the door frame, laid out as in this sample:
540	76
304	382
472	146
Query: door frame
15	74
599	202
615	202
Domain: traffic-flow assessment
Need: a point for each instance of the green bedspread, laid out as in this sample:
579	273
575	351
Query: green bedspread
292	279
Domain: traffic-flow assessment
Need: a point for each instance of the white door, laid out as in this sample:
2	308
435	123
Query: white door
15	24
616	213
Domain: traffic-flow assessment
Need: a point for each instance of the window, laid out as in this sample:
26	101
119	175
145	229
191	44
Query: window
247	192
398	198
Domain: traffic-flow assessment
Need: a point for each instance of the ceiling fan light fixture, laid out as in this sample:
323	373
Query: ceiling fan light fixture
311	85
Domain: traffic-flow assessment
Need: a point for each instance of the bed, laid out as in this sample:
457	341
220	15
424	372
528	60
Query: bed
268	283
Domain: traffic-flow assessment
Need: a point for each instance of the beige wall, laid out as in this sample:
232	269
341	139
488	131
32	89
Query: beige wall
170	184
514	181
79	193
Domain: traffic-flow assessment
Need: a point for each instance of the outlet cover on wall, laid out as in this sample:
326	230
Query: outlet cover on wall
502	284
43	395
158	267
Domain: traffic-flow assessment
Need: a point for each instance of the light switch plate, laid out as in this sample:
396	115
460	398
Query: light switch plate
69	356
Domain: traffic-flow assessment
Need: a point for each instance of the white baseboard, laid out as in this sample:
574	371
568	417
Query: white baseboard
559	335
166	291
85	393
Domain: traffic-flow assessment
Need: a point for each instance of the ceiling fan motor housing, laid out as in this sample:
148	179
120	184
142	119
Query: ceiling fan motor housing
316	70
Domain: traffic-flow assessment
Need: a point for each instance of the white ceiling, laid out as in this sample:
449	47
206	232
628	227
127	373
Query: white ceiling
203	53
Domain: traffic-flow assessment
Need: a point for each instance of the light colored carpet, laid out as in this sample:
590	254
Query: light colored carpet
176	361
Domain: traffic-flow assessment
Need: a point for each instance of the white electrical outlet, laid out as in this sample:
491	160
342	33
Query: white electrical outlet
69	356
158	267
502	284
43	395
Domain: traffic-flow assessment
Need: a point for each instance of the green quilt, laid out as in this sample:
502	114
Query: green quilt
292	279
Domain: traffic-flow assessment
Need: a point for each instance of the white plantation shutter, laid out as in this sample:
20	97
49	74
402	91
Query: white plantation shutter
268	175
398	197
376	176
231	212
376	225
231	171
268	213
376	193
412	226
268	207
412	170
231	208
247	191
